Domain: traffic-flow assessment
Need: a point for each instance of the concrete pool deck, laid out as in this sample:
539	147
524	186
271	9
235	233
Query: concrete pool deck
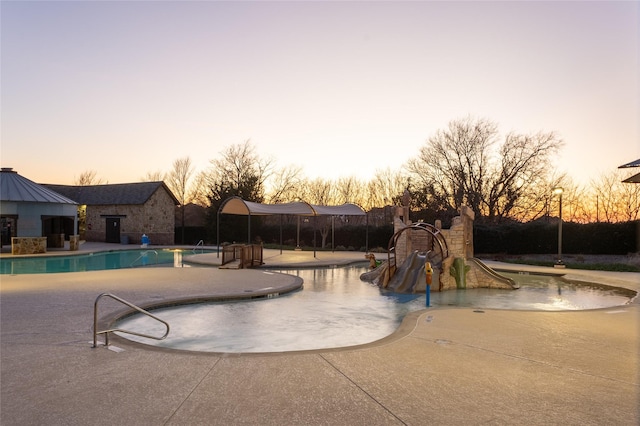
444	365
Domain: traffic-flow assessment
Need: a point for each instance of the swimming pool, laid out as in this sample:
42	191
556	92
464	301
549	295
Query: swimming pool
337	309
98	261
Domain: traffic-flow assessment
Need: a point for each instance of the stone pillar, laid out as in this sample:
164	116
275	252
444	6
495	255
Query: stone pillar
74	242
467	217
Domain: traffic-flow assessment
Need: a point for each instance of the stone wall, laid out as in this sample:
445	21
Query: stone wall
156	218
74	242
28	245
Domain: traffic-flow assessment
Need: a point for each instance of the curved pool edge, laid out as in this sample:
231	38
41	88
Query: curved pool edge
625	280
408	325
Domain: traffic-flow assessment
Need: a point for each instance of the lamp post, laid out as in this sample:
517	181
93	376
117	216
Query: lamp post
558	191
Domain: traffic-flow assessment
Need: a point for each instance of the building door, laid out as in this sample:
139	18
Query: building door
8	224
113	230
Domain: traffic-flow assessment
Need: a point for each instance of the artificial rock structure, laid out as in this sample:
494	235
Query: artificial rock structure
448	251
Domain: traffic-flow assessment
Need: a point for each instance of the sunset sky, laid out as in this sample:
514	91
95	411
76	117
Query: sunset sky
338	88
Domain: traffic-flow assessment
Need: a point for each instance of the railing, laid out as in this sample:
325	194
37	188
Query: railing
106	332
438	248
201	245
249	255
143	255
256	255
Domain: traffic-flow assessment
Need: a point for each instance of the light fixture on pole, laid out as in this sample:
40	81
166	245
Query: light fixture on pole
558	191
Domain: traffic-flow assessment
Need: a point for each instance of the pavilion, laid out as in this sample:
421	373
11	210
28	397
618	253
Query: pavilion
238	206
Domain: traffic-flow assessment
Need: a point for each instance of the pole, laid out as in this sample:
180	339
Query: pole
560	231
559	263
429	273
333	233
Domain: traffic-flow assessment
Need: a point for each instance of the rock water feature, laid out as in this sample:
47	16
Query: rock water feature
448	251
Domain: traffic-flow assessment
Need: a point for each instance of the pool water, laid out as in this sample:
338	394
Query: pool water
337	309
116	259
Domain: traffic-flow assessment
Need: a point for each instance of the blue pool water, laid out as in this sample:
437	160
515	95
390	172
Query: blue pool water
116	259
337	309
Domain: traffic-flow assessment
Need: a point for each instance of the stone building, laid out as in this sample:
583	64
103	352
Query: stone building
122	213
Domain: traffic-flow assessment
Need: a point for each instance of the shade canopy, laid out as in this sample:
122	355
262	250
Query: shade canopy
632	179
635	178
631	164
238	206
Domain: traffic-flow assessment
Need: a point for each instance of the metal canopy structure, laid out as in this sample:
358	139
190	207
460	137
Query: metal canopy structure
635	178
631	164
238	206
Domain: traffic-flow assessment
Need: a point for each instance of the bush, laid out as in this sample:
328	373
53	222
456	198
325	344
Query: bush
541	237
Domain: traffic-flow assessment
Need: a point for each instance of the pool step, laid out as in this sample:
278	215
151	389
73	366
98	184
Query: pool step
234	264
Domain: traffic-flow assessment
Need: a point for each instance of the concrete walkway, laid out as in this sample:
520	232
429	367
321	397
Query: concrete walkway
445	366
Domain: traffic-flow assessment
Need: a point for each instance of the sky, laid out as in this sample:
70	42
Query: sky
337	88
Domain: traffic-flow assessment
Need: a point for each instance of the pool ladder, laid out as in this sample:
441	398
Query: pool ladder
143	255
201	245
106	332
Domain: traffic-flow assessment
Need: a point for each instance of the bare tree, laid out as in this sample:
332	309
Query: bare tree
200	190
464	165
576	206
630	199
385	189
178	181
349	190
87	178
239	171
318	191
285	185
156	176
322	192
615	200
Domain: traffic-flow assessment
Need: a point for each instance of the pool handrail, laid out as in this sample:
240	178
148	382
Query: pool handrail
106	332
143	254
201	245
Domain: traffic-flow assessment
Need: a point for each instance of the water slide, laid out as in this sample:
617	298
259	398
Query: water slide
493	274
409	274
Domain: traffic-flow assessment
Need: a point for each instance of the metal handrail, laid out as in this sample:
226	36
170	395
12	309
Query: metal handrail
201	245
106	332
144	253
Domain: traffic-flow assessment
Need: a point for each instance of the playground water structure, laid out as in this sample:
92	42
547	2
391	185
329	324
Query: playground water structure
96	261
337	309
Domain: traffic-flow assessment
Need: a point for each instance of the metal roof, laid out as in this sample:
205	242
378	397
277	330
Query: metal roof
635	178
632	179
14	187
112	194
631	164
